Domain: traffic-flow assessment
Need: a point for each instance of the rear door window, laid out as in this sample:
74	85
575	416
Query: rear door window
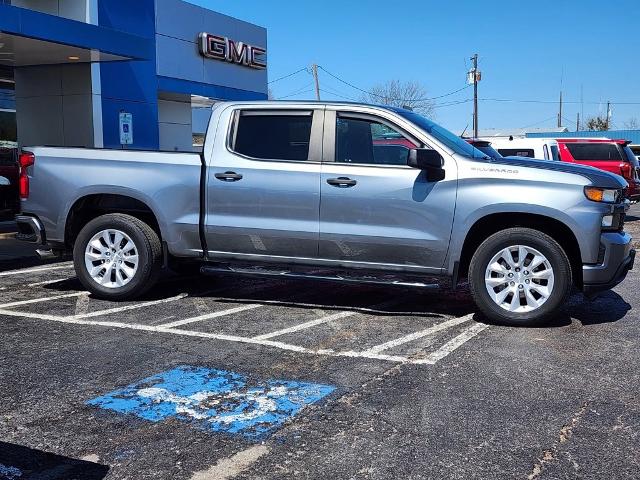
273	136
555	153
594	152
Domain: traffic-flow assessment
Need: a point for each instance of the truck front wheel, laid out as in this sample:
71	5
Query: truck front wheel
520	277
117	257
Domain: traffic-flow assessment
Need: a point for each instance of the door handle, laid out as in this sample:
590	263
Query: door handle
341	182
228	176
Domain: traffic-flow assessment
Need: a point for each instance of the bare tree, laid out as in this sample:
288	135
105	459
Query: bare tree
632	124
597	124
401	94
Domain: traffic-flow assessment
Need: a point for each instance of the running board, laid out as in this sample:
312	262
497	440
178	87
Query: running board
210	270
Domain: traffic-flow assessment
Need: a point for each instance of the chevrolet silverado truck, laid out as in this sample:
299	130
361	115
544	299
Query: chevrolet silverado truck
336	191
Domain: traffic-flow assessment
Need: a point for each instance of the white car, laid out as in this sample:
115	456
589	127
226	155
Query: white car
540	148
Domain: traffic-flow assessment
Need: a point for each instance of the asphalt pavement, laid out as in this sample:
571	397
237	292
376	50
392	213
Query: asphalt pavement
211	378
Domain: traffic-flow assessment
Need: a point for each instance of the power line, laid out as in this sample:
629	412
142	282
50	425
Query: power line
550	101
287	76
451	104
538	123
384	96
299	91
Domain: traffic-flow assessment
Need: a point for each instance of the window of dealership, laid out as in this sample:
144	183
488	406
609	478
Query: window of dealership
106	74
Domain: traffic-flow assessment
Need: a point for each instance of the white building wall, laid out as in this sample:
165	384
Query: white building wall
54	105
174	122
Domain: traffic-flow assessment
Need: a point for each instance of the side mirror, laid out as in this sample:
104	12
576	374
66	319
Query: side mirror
428	160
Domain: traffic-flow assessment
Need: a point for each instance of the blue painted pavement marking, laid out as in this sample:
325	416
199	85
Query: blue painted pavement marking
9	473
216	400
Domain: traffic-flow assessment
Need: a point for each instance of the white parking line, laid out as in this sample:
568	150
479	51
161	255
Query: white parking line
44	299
127	308
430	360
50	282
423	333
209	316
303	326
455	343
57	266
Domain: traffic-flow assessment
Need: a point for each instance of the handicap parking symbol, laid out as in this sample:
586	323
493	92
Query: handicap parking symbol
215	400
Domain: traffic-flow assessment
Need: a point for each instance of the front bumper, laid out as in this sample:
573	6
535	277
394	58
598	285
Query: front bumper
617	261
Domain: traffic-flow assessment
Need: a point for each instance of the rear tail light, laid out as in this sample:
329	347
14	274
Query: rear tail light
26	160
626	170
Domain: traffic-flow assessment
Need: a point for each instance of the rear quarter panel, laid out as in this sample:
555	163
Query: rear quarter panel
168	183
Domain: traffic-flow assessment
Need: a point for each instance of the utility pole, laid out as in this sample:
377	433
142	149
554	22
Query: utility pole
314	69
560	111
608	114
476	78
578	122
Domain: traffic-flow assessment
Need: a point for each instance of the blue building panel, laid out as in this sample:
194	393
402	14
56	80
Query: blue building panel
207	90
41	26
130	87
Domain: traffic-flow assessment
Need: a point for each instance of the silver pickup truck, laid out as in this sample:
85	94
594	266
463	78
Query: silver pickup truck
337	191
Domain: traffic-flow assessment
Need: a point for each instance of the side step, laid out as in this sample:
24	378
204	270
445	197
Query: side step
229	270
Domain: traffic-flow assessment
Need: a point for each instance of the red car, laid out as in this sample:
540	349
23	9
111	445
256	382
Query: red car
8	183
611	155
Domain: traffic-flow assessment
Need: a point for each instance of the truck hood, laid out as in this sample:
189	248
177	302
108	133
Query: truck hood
597	177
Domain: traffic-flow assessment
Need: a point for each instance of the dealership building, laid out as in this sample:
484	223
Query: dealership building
121	74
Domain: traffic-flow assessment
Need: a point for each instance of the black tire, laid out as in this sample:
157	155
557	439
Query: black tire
544	244
149	250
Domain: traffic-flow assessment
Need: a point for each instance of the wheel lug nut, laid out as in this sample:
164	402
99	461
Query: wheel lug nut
526	281
520	286
512	283
511	275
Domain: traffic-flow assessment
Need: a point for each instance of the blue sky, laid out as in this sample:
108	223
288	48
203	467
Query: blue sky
526	49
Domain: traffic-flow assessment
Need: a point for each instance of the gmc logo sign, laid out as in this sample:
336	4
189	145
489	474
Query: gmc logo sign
225	49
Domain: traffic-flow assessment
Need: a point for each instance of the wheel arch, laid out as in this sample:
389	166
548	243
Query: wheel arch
93	205
495	222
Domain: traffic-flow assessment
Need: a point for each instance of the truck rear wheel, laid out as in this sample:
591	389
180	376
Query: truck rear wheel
117	257
520	277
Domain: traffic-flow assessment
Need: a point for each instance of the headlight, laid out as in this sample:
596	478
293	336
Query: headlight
604	195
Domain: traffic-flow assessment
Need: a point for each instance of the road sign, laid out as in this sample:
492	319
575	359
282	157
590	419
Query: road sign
126	128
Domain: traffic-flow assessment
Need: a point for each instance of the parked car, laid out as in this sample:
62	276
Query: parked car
611	155
485	147
296	189
636	150
9	203
540	148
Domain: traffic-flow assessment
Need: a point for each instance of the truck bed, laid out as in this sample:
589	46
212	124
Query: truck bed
65	176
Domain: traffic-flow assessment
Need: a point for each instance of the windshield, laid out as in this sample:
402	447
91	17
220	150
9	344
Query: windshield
444	136
490	151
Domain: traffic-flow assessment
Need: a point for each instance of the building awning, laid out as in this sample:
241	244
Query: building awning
33	38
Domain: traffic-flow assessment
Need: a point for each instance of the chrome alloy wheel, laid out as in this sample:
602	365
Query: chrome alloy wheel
519	279
111	258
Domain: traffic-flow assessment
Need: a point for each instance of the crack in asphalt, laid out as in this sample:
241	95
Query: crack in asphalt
564	436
